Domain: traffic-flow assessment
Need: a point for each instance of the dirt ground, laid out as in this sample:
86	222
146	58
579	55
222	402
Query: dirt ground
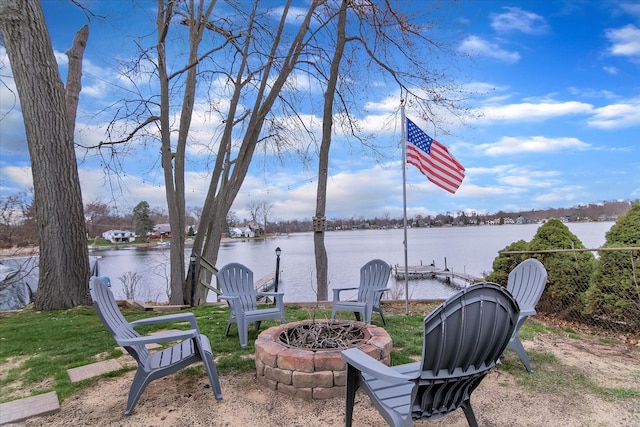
499	401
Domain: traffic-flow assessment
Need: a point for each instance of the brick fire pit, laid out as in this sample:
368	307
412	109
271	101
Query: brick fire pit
312	374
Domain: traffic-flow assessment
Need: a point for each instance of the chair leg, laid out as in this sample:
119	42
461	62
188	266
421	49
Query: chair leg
243	332
516	346
368	314
140	382
468	412
226	333
212	373
203	346
357	314
384	321
351	387
258	323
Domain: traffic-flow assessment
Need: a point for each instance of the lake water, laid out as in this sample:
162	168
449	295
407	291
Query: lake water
469	250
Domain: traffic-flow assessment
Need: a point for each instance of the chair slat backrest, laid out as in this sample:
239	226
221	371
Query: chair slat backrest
373	275
236	280
108	311
526	283
463	339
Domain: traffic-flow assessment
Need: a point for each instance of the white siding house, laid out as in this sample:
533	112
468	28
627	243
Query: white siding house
119	236
241	232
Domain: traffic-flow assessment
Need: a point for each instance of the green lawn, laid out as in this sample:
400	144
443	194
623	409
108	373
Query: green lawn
37	349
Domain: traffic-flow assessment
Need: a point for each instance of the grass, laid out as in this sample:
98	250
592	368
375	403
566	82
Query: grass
37	349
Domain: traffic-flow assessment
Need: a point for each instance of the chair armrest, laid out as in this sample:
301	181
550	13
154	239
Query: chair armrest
157	338
336	292
178	317
230	299
367	364
270	294
380	291
277	296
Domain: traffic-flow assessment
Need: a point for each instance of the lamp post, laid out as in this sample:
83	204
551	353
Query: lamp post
192	266
278	252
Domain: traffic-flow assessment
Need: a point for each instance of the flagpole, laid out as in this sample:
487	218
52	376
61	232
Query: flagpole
404	204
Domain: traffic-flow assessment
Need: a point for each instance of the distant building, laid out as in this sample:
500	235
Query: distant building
119	236
162	229
241	232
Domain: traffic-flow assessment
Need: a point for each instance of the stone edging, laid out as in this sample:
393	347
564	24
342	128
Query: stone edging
311	374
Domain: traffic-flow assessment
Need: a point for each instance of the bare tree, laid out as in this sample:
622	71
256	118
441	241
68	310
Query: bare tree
232	219
194	213
254	210
265	211
10	218
265	84
392	45
320	221
246	59
49	117
98	218
253	75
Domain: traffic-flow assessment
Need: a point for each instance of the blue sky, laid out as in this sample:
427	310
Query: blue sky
556	118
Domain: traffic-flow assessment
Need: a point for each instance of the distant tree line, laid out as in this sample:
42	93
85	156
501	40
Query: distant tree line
601	290
18	226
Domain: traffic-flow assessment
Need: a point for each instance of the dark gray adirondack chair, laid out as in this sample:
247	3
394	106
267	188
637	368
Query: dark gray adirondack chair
374	276
236	282
463	340
193	346
526	283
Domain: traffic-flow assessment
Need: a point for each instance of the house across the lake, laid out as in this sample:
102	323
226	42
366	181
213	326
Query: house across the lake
119	236
241	232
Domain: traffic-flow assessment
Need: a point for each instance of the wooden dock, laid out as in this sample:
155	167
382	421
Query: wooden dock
415	272
266	283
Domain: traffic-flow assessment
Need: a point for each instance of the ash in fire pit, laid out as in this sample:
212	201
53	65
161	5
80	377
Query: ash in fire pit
323	336
303	358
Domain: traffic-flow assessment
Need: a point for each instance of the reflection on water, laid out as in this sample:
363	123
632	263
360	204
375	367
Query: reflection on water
469	250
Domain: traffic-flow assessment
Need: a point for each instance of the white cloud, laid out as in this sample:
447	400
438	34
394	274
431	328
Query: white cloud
611	70
534	111
19	176
468	189
474	45
295	15
631	8
474	171
593	93
526	178
516	19
625	41
122	191
349	193
616	115
533	144
483	88
560	195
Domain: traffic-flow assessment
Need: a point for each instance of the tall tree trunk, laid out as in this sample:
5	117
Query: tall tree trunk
173	161
229	173
64	258
170	164
319	223
74	76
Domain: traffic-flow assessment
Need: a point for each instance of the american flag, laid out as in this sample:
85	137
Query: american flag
433	159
